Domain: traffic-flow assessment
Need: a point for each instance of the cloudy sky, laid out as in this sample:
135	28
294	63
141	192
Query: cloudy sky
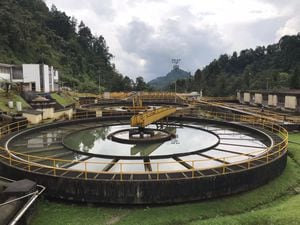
144	35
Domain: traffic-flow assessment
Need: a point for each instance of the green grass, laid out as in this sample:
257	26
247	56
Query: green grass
274	203
62	99
11	97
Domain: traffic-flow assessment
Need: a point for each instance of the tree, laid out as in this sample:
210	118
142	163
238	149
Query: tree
295	79
140	84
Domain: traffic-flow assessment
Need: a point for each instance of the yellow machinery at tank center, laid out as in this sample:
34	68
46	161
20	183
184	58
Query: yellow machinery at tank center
143	119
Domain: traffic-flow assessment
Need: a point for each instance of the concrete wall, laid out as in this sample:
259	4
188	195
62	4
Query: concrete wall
33	118
31	74
272	100
4	73
246	97
46	81
290	102
48	113
258	98
51	78
55	75
106	95
67	113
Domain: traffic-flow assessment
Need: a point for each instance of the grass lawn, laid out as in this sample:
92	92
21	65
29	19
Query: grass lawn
277	202
63	99
11	97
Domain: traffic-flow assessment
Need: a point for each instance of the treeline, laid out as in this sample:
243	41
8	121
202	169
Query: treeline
273	67
31	33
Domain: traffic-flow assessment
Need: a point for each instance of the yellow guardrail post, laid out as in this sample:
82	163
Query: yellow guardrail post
54	167
85	171
157	170
121	171
28	161
193	171
10	162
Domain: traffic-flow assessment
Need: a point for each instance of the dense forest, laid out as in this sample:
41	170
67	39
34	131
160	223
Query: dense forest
31	33
275	67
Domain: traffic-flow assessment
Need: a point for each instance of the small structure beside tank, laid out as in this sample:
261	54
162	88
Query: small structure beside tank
284	100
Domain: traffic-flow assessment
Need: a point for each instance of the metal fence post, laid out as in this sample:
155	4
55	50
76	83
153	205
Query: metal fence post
85	171
28	161
54	167
157	167
193	171
121	171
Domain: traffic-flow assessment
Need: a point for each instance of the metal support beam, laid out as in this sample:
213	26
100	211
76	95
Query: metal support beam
145	118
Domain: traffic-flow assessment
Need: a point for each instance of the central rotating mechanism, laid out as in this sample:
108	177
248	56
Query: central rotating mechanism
141	134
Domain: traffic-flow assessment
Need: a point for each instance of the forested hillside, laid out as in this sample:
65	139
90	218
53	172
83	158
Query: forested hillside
273	67
31	33
161	83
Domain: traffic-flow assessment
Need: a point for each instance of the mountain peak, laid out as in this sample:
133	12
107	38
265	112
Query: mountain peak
163	82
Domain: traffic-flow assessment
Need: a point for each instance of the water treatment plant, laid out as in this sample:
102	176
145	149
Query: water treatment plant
164	149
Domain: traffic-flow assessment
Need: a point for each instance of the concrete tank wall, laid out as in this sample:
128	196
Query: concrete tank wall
154	191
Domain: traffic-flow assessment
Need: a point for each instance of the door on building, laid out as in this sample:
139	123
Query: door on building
33	86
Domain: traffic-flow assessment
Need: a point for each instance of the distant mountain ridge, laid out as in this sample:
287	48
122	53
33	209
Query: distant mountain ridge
161	83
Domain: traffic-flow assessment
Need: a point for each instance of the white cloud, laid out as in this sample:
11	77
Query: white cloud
291	27
145	34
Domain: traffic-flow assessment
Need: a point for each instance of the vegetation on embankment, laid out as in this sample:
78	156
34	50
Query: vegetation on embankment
62	99
277	202
11	96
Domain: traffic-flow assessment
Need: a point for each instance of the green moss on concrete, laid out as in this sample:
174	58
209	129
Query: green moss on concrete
63	99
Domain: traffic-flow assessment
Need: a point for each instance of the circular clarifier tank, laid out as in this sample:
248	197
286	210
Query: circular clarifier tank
186	139
79	160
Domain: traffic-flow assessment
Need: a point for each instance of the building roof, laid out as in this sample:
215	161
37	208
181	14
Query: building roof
32	112
283	92
5	65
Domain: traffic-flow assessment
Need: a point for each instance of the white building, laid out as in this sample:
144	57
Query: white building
31	77
5	72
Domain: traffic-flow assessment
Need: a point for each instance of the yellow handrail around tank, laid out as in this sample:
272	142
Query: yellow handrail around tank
27	161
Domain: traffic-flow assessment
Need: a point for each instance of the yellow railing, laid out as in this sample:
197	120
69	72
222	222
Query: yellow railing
216	99
276	116
263	156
